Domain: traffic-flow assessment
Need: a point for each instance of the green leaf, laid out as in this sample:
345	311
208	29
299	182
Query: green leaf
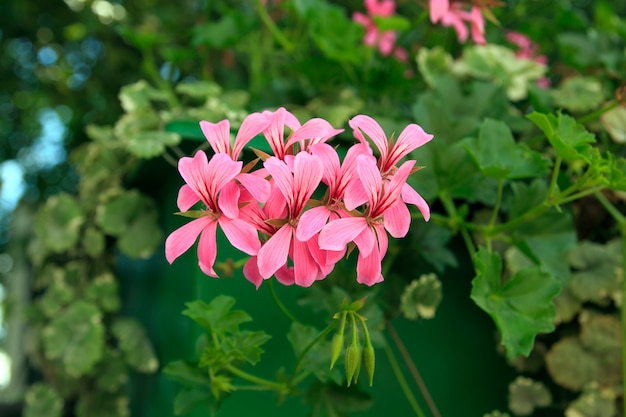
143	235
58	295
103	291
526	196
42	400
433	63
594	402
421	297
118	210
58	223
500	65
76	337
138	96
189	399
430	241
570	365
614	122
217	316
198	89
569	139
93	242
151	143
546	240
336	36
245	345
333	400
224	32
393	22
102	404
135	345
111	373
186	129
318	358
579	94
597	272
498	156
601	333
526	394
187	374
521	307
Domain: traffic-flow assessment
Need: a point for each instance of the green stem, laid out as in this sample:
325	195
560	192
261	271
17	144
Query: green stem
448	204
294	381
496	207
599	112
280	305
582	194
150	67
621	220
276	386
274	30
413	369
555	176
402	381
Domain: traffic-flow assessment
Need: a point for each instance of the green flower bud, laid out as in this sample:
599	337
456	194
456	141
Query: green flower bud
369	362
336	347
353	362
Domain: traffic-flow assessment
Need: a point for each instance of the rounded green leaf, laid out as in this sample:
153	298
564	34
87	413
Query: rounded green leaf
58	223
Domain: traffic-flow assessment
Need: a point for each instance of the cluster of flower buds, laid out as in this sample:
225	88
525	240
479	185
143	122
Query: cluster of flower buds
297	213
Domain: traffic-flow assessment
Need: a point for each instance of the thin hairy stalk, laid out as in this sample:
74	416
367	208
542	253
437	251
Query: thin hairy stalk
555	176
599	112
280	305
448	204
621	221
273	385
402	381
274	30
413	369
150	67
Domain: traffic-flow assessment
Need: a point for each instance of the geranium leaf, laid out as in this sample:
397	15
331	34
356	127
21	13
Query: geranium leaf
570	139
217	316
521	307
135	345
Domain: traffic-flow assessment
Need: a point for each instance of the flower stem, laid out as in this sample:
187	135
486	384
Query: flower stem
274	30
280	305
599	112
257	380
448	204
555	176
413	369
293	381
402	381
621	221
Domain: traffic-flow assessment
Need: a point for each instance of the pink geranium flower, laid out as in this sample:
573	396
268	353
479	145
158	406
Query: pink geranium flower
296	188
205	181
527	49
456	15
411	138
374	37
369	232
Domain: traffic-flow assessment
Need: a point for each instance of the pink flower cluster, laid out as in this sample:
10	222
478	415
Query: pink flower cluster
527	49
374	37
298	213
455	14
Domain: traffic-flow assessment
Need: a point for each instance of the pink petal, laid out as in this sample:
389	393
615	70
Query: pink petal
282	178
305	268
369	269
251	126
410	196
330	160
397	219
273	254
386	41
355	195
193	172
311	222
411	138
285	275
207	249
258	187
186	198
438	8
382	239
478	26
251	272
220	171
370	179
182	238
362	19
229	200
372	129
454	18
393	189
241	235
307	174
317	130
218	135
365	241
337	233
